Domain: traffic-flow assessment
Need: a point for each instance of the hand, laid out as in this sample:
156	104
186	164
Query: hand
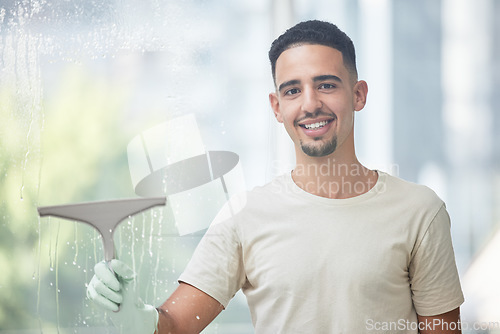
116	292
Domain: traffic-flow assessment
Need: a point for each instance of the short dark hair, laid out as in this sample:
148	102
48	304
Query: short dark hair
315	32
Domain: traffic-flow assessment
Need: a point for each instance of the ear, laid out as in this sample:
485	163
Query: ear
360	91
275	105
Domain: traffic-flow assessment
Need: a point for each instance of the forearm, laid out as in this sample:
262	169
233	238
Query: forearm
187	311
446	323
166	323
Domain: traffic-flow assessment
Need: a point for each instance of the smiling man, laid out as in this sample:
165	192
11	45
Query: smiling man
316	97
332	246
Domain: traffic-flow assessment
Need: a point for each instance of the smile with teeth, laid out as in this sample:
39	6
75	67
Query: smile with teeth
316	125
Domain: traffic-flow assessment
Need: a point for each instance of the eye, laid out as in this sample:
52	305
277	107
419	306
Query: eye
326	86
292	91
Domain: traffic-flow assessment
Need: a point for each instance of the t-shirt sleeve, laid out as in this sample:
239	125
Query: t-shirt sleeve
216	267
434	279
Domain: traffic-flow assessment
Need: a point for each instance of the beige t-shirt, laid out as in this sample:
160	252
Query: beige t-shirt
309	264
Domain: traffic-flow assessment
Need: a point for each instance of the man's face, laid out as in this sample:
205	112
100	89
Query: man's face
316	98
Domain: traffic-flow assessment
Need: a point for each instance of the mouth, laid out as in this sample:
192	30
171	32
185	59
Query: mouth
316	125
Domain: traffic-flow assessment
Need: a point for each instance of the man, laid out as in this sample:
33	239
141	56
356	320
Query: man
331	247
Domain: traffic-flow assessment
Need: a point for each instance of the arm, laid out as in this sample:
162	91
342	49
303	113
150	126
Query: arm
434	279
187	310
446	323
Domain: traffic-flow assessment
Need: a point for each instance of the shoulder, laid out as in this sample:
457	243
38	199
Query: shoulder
254	202
262	196
409	192
417	203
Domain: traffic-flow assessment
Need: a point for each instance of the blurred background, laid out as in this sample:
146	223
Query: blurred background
80	79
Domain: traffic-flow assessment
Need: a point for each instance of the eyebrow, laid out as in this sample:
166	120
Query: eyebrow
327	77
318	78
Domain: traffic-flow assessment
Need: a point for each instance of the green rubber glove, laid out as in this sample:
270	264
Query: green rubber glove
116	292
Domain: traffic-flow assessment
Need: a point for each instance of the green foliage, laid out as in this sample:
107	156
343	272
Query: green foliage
74	150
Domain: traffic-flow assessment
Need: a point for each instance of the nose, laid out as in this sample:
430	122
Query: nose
311	101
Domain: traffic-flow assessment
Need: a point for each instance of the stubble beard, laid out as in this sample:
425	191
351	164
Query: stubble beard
322	150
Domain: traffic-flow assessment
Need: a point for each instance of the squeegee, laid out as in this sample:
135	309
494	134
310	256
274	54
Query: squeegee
104	216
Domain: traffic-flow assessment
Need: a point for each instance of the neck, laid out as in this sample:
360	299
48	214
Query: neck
332	177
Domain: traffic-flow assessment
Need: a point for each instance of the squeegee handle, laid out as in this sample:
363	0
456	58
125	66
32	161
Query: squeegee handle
108	264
